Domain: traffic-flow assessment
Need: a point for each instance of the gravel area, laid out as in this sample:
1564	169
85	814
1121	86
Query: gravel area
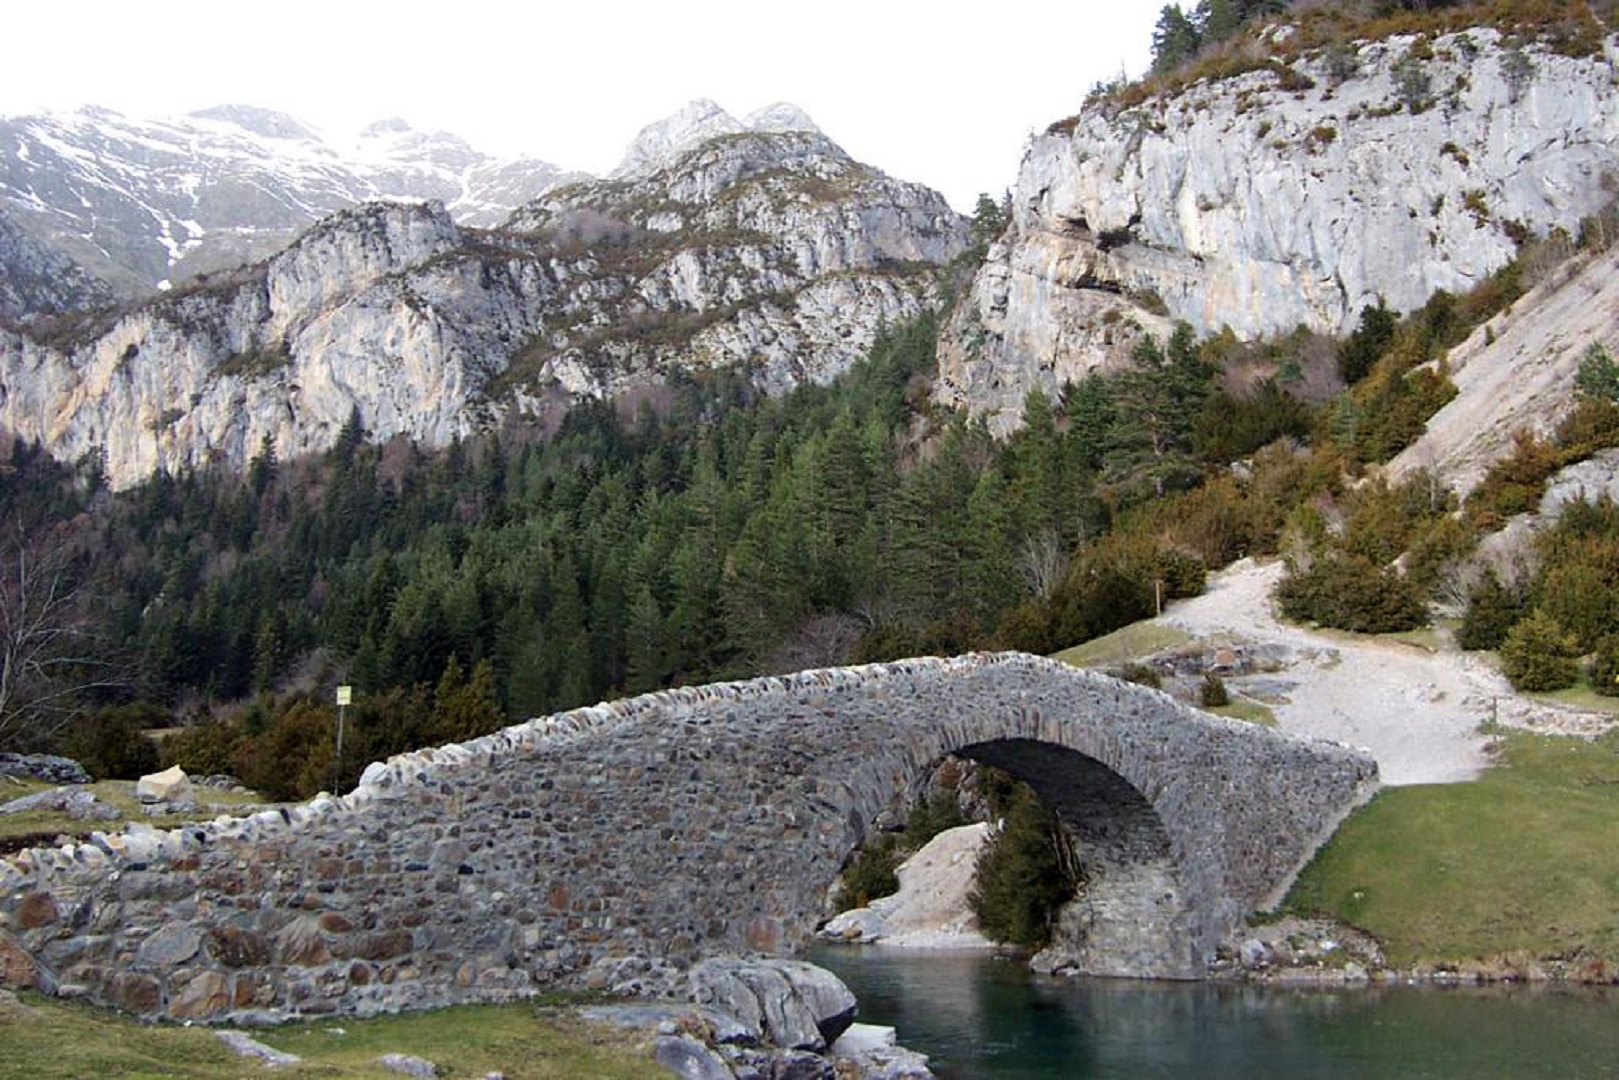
1419	713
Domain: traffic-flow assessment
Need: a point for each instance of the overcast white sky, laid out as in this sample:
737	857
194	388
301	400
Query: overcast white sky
936	92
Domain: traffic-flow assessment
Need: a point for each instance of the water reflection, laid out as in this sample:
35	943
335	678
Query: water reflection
981	1016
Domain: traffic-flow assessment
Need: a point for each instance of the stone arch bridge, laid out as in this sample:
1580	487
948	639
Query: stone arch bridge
666	828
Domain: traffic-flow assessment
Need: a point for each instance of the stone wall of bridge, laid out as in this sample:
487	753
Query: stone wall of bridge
622	842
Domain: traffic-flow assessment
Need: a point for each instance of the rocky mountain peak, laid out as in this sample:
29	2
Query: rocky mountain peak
392	125
267	123
780	116
663	142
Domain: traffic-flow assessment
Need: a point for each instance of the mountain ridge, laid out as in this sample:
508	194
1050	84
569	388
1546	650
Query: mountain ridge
774	252
143	204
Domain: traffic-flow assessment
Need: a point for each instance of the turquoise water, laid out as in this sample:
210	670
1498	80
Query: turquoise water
980	1016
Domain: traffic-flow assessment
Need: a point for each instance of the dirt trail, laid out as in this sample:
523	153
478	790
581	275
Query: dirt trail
1418	712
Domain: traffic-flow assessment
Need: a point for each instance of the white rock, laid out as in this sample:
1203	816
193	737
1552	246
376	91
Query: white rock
1244	205
171	785
864	1038
244	1046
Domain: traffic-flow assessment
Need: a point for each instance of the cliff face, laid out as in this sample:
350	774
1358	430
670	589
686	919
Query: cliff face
1283	197
771	251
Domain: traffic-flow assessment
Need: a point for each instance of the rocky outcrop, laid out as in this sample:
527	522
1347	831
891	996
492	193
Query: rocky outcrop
46	767
931	908
1516	373
774	252
1288	196
36	279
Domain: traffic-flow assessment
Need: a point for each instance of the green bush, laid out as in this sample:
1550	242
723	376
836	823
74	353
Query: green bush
1023	875
1212	694
1141	675
871	874
1604	672
1492	609
112	744
1350	592
931	815
1538	654
203	749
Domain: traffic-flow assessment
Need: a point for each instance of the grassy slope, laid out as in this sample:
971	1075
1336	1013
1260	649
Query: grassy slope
41	1038
1524	859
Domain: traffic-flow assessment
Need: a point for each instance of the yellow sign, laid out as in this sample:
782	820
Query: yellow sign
345	695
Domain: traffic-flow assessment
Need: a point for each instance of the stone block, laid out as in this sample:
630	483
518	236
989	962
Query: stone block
36	909
238	948
138	994
18	968
173	943
300	943
384	945
205	994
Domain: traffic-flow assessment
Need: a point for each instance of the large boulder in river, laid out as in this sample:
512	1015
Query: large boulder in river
785	1003
171	785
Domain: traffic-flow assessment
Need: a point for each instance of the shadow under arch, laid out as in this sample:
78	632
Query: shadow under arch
1132	916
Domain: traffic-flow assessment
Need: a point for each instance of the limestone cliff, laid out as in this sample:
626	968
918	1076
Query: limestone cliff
1290	195
771	251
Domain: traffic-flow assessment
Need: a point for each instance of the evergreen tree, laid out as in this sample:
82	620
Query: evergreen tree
1175	39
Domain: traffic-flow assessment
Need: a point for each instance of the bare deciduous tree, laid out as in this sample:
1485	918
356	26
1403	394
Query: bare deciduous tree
52	657
1044	562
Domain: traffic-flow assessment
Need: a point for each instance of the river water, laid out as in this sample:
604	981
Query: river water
978	1016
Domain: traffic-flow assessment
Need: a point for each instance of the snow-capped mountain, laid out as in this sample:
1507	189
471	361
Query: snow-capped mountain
143	204
766	251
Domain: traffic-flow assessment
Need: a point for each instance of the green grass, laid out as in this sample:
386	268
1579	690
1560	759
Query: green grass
116	793
1129	643
1523	860
44	1038
1247	709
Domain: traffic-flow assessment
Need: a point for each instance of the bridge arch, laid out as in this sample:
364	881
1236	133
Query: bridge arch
669	827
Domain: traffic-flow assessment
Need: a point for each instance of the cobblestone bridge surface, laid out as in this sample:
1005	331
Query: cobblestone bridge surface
627	840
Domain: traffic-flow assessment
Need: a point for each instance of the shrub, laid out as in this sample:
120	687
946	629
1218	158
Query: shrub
1024	875
1538	654
1141	675
1515	483
1212	693
204	749
1604	672
1598	375
292	757
1350	592
871	874
112	744
931	815
1492	609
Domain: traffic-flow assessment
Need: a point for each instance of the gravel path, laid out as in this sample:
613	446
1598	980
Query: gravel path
1419	713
